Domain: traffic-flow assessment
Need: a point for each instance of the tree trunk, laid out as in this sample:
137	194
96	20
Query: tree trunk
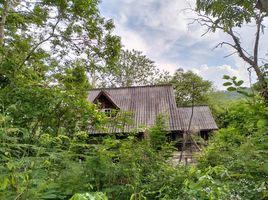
6	5
263	84
253	61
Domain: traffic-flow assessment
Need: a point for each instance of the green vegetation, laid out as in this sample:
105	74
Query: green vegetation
158	133
188	85
45	149
47	166
133	68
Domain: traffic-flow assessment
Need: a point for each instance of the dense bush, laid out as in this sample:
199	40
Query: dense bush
57	166
240	153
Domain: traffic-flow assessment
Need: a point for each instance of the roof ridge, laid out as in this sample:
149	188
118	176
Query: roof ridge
126	87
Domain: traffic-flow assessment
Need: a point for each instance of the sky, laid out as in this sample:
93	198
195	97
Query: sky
163	31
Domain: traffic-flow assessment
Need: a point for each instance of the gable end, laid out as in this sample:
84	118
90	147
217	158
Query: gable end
106	100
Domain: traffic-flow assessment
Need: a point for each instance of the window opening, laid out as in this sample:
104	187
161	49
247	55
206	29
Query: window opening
108	112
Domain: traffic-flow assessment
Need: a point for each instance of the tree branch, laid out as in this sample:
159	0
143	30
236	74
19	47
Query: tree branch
259	20
239	48
41	42
252	60
5	12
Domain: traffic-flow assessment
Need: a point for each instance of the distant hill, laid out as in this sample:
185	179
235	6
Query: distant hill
223	97
232	95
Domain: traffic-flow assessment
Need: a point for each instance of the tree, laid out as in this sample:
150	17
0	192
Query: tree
189	85
43	81
41	38
228	16
133	68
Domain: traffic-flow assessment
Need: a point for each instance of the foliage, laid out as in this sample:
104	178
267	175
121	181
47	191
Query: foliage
75	81
188	86
207	184
245	115
257	85
49	110
56	167
219	102
236	85
90	196
46	151
240	149
45	84
158	133
229	13
133	68
45	38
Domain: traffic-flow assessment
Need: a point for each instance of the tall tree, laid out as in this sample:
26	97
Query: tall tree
42	37
133	68
43	83
230	15
189	86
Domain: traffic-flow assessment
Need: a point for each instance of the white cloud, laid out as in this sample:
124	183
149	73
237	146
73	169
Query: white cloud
170	67
216	73
131	40
160	29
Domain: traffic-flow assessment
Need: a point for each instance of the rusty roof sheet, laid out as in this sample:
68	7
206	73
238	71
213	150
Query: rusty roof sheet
202	118
147	102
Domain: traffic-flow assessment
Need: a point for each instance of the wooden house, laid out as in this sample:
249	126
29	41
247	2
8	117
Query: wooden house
146	103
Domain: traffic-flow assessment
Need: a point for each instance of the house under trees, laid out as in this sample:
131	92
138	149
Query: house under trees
145	103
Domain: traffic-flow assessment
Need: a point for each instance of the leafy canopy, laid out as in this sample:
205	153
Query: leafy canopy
190	87
133	68
229	13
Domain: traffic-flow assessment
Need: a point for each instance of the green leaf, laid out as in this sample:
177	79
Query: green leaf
226	77
231	89
4	183
227	84
239	83
234	78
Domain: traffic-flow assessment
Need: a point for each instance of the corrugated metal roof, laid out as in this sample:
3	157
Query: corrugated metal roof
202	118
147	102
